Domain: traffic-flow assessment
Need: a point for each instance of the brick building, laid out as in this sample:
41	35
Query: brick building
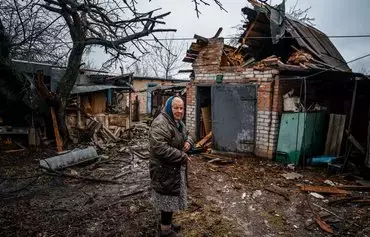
244	86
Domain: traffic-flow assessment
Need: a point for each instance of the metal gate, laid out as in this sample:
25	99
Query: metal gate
234	117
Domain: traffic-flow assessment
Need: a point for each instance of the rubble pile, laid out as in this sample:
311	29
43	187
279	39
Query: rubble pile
299	58
140	131
266	63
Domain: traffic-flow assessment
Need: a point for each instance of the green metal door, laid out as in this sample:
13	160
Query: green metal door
300	134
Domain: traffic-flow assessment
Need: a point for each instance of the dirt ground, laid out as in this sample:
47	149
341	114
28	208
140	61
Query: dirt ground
224	199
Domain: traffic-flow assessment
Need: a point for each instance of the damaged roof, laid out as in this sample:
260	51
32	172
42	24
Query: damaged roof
259	36
271	39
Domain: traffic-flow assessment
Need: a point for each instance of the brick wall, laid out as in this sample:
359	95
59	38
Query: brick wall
269	107
190	108
269	95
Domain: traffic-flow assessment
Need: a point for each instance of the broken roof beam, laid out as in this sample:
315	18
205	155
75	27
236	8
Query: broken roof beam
188	60
206	40
218	33
186	71
189	51
201	39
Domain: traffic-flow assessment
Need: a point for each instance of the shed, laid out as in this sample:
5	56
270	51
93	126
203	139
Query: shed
244	86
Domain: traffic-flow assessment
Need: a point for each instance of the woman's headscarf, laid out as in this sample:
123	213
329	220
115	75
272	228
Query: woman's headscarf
168	107
168	110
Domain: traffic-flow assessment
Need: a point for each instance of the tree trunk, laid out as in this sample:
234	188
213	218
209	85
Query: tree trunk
4	43
65	87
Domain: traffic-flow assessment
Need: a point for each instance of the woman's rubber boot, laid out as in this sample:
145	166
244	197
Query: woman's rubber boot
169	233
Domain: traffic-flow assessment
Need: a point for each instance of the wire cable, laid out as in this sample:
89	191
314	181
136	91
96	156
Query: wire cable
236	38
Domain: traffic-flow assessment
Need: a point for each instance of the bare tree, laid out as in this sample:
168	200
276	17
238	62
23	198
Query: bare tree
34	34
161	60
166	58
141	67
197	4
301	14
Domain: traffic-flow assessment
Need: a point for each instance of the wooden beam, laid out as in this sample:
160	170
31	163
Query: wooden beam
322	189
217	33
188	60
58	139
201	38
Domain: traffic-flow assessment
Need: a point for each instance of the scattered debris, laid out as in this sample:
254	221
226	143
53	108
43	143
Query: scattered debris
322	189
329	182
316	195
279	191
292	175
323	225
266	63
257	193
217	159
291	167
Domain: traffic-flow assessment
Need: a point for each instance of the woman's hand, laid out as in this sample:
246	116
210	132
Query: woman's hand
187	146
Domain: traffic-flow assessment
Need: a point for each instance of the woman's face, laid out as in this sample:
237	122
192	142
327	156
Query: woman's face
177	108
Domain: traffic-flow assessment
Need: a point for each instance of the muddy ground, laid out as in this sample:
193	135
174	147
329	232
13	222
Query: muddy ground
224	199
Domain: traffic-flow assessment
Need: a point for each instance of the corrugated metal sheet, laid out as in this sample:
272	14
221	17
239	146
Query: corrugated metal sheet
317	43
92	88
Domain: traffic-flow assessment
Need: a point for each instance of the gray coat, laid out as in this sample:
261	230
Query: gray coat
166	154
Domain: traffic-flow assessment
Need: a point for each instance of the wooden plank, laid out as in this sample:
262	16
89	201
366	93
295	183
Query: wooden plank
118	129
353	140
109	133
206	115
329	136
341	132
333	146
354	187
335	134
58	139
322	189
204	140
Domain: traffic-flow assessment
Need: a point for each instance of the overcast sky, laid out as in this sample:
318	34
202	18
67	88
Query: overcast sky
333	17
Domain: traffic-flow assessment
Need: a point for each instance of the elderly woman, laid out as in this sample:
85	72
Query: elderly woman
169	143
